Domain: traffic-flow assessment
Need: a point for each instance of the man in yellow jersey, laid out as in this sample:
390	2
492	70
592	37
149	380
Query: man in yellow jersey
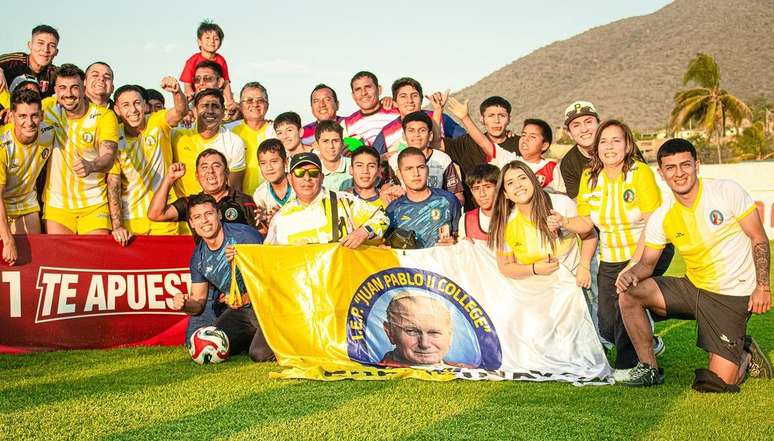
208	133
308	217
76	192
714	225
144	153
25	146
253	130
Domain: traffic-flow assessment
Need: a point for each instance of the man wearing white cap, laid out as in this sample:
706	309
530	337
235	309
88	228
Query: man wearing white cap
581	121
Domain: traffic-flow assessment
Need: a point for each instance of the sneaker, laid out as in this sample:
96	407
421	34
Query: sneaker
759	366
644	375
622	375
658	346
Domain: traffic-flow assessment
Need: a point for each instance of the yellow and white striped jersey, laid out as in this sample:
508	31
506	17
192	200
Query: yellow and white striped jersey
78	137
299	224
252	139
717	253
616	206
142	161
523	239
20	165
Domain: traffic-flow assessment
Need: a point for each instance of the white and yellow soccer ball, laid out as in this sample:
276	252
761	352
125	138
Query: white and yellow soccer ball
208	344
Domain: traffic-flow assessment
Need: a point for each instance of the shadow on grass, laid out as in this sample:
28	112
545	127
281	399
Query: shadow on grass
123	380
66	361
291	401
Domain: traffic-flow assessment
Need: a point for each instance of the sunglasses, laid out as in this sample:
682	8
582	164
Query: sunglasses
301	172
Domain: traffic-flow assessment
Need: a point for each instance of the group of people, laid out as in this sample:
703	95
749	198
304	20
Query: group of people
120	162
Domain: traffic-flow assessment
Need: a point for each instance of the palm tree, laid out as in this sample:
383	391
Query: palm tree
752	142
707	104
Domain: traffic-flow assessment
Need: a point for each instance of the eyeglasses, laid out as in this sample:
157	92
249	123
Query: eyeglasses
301	172
255	101
203	79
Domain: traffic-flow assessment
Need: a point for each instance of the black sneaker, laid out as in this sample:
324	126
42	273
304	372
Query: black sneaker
644	375
759	366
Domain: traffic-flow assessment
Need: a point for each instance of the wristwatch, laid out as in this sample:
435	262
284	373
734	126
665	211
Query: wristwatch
370	231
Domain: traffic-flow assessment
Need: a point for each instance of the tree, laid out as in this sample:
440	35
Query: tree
752	143
707	104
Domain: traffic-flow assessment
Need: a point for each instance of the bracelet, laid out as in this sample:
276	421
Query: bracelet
533	270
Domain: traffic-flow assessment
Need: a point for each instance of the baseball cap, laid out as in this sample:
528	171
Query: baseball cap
21	80
305	158
579	108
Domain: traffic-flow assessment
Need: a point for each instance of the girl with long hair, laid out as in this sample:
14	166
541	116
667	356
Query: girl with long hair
617	194
520	235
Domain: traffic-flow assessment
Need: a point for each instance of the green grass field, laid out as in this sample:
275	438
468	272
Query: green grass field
158	393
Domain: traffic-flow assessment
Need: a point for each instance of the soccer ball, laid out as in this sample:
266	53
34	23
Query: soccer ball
208	345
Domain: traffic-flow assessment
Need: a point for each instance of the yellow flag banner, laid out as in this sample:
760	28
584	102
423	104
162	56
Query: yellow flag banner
331	313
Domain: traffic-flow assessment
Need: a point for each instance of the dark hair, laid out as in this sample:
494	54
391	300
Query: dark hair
503	207
272	145
420	116
361	74
209	64
209	92
210	152
327	125
201	199
154	94
288	118
675	146
324	86
366	150
130	88
483	173
406	81
209	26
68	70
493	101
410	151
634	154
548	134
45	29
24	96
254	85
102	63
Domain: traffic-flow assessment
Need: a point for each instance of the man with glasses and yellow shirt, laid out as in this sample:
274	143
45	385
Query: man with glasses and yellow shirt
253	129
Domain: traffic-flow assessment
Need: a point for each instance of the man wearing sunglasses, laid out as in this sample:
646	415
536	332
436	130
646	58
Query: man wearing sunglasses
317	215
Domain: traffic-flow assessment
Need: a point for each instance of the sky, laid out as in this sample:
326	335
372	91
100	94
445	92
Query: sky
290	46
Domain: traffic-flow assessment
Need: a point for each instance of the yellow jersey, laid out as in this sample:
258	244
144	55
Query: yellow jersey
252	139
188	143
20	166
5	99
141	162
523	239
717	253
78	138
616	206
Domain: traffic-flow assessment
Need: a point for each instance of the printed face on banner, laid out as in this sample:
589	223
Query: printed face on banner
405	317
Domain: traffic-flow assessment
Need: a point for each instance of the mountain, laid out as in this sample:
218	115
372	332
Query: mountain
631	68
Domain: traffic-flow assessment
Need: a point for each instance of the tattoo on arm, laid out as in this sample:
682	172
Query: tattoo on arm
762	259
114	199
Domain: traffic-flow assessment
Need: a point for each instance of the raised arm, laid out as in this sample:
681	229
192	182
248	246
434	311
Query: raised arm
180	109
461	112
120	234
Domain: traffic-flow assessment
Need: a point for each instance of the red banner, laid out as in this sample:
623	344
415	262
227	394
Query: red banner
87	292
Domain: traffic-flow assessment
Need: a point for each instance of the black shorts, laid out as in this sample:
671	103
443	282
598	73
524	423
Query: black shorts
721	320
240	325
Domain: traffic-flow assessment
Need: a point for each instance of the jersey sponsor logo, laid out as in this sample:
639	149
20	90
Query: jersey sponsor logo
231	214
405	218
150	141
716	217
435	214
679	234
88	137
628	196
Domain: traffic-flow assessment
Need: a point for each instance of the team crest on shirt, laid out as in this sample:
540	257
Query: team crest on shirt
44	153
435	214
541	180
88	137
628	196
150	141
716	217
231	214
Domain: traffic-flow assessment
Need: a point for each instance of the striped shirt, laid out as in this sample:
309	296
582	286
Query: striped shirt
307	137
78	138
717	253
391	139
141	162
367	127
20	165
616	206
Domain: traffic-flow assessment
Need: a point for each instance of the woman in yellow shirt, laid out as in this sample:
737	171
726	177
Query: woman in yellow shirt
519	232
617	194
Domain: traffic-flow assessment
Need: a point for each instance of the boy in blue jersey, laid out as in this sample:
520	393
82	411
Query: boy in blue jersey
432	213
210	267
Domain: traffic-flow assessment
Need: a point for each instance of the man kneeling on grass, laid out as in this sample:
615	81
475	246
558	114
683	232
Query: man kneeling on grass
210	266
715	227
